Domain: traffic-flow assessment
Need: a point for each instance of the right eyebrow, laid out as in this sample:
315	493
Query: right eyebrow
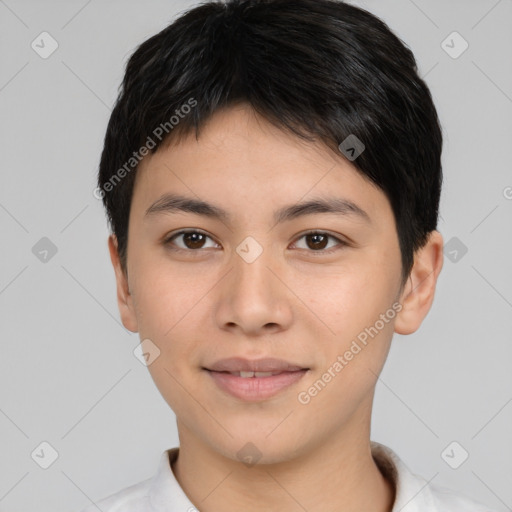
171	203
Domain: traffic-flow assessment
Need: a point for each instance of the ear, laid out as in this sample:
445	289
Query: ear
124	298
418	293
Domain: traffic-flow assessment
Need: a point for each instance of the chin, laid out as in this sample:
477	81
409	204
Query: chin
257	446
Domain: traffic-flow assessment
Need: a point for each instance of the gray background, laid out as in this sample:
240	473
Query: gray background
68	373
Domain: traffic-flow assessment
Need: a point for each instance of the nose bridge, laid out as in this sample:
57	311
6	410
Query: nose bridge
253	297
251	261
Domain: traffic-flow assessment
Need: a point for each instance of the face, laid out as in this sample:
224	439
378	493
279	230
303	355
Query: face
255	276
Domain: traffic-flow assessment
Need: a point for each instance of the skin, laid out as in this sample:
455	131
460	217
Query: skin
293	302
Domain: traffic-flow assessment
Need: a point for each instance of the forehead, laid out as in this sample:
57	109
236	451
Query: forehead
242	159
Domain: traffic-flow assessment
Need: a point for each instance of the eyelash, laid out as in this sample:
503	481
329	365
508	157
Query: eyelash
341	243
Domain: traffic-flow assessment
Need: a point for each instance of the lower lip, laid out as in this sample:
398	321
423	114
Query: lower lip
255	388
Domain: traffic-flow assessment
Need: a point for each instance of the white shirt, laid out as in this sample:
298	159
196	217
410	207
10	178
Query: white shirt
162	492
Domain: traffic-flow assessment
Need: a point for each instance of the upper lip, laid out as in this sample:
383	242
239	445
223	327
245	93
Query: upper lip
240	364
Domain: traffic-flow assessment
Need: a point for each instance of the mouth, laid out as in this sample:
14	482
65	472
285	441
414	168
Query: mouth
249	375
254	380
264	365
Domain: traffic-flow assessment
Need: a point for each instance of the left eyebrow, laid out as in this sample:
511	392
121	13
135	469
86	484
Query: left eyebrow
171	203
320	205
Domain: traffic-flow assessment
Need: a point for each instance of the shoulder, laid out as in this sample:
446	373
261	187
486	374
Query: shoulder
447	500
414	493
134	498
160	492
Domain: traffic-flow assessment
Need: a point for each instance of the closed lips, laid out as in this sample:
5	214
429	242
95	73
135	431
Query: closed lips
255	374
254	379
265	367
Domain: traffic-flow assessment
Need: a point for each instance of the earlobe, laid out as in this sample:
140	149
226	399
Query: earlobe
418	294
124	298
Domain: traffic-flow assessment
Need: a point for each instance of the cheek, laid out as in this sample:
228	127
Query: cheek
344	301
171	307
353	357
350	305
167	309
164	299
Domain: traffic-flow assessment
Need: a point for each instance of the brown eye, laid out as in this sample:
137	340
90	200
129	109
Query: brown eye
189	240
193	240
317	241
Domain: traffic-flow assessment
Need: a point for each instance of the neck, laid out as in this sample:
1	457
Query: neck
339	474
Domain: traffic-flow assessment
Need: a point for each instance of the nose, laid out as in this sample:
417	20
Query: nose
253	297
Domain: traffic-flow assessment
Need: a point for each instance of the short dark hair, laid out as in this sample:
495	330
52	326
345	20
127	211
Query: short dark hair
319	69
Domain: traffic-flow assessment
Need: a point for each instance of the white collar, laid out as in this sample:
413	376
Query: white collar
163	493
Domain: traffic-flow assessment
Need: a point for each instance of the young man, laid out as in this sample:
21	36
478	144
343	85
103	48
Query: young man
272	174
